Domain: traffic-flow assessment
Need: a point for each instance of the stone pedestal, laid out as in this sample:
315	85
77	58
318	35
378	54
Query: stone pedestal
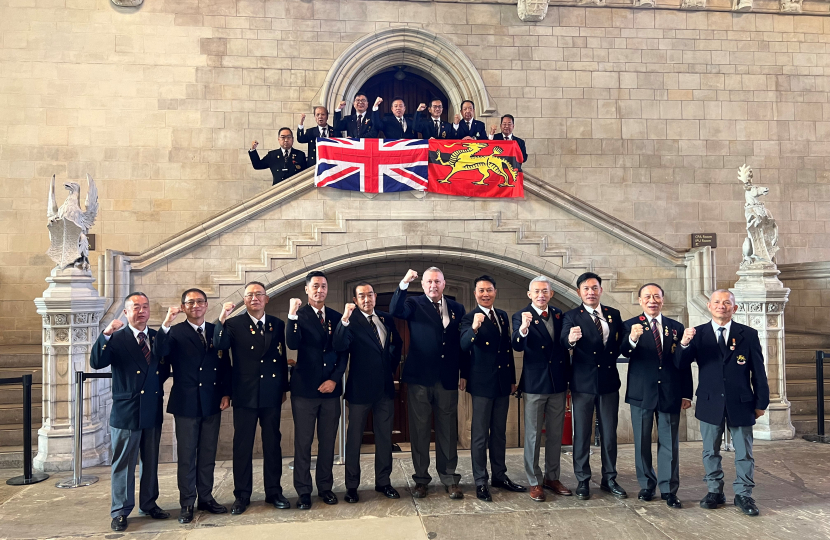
71	309
761	298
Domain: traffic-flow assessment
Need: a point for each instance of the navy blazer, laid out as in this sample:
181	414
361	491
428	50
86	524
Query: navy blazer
478	131
371	368
317	361
201	378
546	364
309	137
259	364
434	351
424	125
653	383
594	366
520	142
281	169
732	384
137	391
366	130
390	126
490	370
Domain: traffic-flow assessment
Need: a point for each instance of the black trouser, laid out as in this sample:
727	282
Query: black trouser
489	430
607	406
244	426
325	413
426	402
196	440
383	412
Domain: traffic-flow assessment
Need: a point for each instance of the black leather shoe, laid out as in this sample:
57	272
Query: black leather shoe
186	515
328	497
388	491
119	523
157	513
508	485
712	500
351	495
304	502
279	501
671	500
614	489
747	505
483	493
646	494
212	506
239	506
583	491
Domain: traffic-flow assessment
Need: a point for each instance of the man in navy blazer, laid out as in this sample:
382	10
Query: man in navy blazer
396	125
309	136
507	124
432	127
537	331
656	387
431	375
201	391
316	387
374	347
490	377
466	126
135	420
732	389
357	125
284	162
594	332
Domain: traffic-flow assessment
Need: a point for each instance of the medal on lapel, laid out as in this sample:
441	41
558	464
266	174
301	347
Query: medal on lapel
609	319
329	327
536	321
557	315
452	314
279	348
644	322
673	347
674	334
253	332
666	333
732	348
741	360
270	327
219	353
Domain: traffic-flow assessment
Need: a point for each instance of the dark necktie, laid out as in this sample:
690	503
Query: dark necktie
437	126
722	340
469	128
142	342
493	318
320	316
202	337
437	307
375	330
261	328
359	123
658	341
324	132
403	126
598	323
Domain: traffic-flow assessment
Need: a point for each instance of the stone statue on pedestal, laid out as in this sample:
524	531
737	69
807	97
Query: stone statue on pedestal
69	225
761	244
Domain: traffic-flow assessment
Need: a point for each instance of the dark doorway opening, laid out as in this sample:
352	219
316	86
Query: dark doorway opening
411	87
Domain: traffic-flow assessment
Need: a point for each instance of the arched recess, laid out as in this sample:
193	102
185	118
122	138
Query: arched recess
428	53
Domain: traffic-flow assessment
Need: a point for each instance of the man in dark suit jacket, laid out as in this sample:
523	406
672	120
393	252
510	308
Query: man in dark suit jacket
732	389
322	129
201	391
432	127
135	421
656	388
396	125
490	377
260	382
316	387
544	382
506	134
284	162
357	125
374	348
431	375
594	332
466	126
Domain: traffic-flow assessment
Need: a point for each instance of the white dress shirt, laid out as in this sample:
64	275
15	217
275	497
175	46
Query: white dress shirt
605	328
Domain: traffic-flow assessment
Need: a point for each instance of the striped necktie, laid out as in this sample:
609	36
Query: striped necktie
142	342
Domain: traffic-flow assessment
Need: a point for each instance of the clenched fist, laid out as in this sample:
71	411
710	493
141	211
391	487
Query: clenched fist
347	311
293	305
457	119
492	130
688	334
341	105
636	332
378	101
575	334
422	107
302	120
478	320
254	145
227	309
172	313
114	326
411	275
526	318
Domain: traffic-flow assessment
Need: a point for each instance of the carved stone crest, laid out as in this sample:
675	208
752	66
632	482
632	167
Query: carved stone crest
69	225
761	244
791	6
532	10
741	5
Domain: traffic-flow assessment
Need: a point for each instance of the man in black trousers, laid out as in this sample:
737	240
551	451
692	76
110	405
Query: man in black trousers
656	388
431	375
135	421
490	377
201	391
284	162
260	383
316	386
594	333
374	348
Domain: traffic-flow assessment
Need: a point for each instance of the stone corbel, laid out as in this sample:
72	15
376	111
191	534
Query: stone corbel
643	3
741	5
591	2
127	3
532	10
791	6
693	4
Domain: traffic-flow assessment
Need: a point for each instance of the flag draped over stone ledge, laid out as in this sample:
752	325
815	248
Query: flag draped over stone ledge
465	168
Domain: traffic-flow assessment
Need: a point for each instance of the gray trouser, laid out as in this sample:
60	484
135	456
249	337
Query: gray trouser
325	414
196	440
607	406
383	413
489	431
426	402
547	410
668	448
127	446
744	462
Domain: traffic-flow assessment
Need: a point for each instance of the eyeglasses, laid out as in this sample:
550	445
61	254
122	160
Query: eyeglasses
191	303
250	296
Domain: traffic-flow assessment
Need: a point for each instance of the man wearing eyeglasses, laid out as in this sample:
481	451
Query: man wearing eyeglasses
357	125
201	390
432	127
260	383
284	162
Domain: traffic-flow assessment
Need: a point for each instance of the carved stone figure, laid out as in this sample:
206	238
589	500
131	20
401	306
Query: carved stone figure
693	4
791	6
69	225
741	5
643	3
761	244
532	10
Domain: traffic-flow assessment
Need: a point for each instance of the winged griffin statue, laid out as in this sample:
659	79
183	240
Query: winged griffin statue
69	225
761	243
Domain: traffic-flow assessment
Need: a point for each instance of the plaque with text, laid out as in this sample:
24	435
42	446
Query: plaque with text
704	239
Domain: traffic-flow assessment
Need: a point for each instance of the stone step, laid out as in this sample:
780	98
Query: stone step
37	374
13	394
799	372
807	340
805	424
21	356
805	388
11	457
11	413
807	405
805	356
12	434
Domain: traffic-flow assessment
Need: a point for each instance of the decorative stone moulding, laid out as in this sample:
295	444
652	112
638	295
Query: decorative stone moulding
791	6
532	10
127	3
643	3
741	5
693	4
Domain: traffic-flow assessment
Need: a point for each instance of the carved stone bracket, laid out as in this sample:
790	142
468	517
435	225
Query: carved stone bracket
741	5
127	3
643	3
791	6
532	10
693	4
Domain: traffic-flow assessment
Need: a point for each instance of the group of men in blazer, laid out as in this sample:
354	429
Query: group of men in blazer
451	350
287	161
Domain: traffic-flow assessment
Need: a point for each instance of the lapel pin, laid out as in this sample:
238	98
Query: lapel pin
536	321
666	333
557	315
733	345
279	348
741	360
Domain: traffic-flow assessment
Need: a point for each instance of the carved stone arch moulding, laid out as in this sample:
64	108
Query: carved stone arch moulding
433	55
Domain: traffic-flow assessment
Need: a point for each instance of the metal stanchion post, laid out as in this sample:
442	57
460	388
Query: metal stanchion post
340	458
819	436
29	477
77	479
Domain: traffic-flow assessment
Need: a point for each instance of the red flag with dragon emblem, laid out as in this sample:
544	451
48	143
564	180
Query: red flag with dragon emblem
475	168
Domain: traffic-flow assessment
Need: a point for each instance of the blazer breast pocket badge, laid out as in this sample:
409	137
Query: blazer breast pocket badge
741	359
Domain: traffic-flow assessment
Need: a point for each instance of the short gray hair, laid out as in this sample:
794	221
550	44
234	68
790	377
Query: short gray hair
730	293
433	269
539	279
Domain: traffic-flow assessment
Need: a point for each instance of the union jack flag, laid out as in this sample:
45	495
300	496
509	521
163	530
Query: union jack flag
372	165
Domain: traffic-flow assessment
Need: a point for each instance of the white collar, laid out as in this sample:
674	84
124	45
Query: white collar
591	310
715	327
367	315
539	311
659	318
257	320
195	327
485	309
136	331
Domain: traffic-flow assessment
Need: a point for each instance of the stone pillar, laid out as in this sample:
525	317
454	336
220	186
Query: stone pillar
761	298
71	309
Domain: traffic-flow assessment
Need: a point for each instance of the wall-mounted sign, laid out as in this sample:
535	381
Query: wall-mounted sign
704	239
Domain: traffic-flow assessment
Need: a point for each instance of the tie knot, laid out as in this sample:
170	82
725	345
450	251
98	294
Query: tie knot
596	314
142	336
721	330
199	329
545	314
259	324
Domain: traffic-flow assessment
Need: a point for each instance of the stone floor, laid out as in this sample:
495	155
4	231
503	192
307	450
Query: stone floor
793	493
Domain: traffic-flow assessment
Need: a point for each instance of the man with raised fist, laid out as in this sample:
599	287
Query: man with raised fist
374	347
316	386
135	421
260	383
